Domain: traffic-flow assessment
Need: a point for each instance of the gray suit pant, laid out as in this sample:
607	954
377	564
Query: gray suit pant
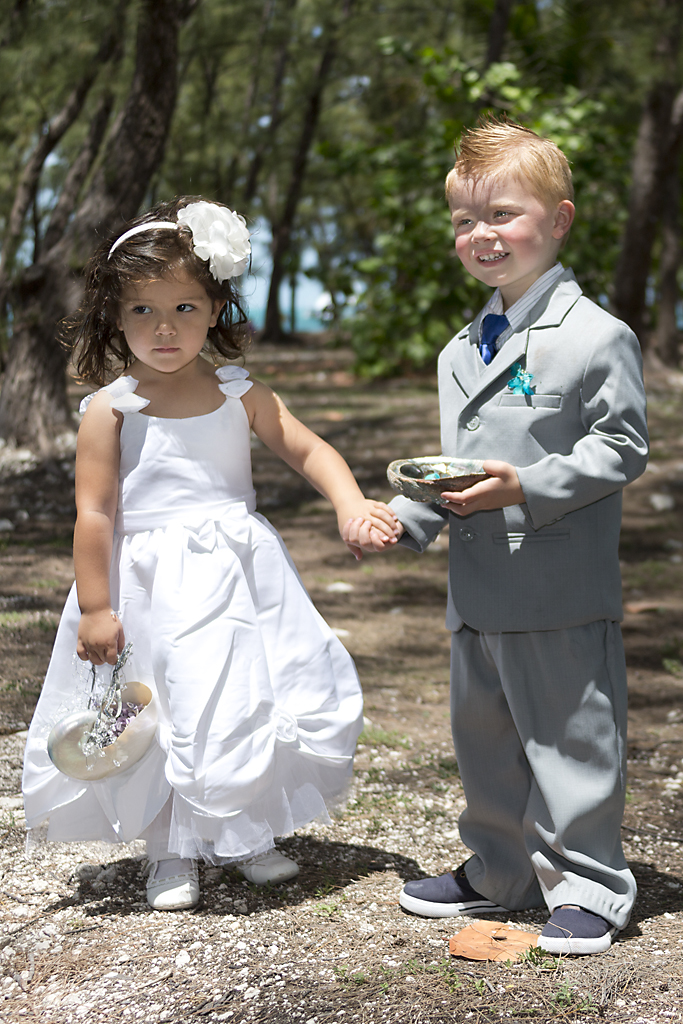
539	726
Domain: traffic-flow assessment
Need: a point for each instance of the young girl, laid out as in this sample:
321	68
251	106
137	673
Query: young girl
259	703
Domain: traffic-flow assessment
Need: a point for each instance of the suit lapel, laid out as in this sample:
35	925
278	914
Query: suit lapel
466	362
550	310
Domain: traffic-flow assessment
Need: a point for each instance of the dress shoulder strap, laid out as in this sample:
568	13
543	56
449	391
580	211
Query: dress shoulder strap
123	397
234	381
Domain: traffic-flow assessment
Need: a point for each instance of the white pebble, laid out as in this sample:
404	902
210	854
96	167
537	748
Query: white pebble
662	502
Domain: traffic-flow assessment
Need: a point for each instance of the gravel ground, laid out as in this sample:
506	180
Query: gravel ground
78	942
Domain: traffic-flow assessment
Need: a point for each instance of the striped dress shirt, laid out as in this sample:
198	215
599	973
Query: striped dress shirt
518	312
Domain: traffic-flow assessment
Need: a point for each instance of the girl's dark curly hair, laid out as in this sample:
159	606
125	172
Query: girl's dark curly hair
100	347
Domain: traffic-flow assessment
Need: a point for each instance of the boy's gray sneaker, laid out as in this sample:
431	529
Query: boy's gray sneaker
449	895
576	932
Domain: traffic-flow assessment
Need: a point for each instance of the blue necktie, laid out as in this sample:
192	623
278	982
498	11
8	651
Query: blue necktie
491	329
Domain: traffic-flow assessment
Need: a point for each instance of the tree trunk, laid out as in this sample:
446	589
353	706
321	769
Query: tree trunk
49	138
282	231
275	111
34	410
498	26
645	206
655	158
78	172
667	335
33	403
252	95
136	147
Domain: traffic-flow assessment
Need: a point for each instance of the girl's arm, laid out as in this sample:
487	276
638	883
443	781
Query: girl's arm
319	463
100	634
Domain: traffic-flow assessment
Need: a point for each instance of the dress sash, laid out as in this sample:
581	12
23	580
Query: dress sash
141	520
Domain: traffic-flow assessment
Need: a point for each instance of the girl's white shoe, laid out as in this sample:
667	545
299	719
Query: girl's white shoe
269	867
172	884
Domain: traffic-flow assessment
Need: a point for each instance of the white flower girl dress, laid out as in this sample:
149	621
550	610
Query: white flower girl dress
259	703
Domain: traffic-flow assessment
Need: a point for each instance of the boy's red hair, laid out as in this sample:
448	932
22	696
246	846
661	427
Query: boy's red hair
502	147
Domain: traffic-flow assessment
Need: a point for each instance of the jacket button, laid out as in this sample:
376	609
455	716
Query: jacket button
473	423
466	534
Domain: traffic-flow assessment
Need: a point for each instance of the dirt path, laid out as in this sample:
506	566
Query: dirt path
78	942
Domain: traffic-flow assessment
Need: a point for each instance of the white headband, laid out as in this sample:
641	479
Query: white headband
218	235
142	227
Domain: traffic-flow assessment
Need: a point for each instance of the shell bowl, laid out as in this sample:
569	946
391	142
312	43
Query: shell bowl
423	479
65	742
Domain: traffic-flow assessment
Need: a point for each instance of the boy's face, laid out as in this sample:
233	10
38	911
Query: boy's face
504	235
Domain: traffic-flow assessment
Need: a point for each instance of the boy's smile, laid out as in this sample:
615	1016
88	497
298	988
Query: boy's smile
504	235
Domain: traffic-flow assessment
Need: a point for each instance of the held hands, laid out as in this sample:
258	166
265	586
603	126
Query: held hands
100	637
501	490
362	533
368	526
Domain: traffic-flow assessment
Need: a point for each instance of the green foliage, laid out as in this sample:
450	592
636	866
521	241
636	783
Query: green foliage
447	768
375	737
567	998
406	80
538	958
416	295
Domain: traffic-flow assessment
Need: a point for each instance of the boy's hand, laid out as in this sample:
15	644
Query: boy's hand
100	637
501	490
371	527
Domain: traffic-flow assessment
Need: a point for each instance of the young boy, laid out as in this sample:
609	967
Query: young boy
549	386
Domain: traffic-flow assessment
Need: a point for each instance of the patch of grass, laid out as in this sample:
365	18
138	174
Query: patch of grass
76	922
650	572
46	584
376	737
447	768
539	958
19	620
432	813
567	997
268	889
447	974
28	687
328	886
444	970
9	619
375	827
673	665
327	909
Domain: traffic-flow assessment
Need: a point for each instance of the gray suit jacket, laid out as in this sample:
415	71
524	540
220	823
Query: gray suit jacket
553	561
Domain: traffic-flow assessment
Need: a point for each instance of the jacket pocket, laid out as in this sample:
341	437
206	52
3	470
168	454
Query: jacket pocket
531	401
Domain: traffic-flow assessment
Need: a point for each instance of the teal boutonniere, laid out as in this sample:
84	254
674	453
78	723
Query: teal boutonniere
521	384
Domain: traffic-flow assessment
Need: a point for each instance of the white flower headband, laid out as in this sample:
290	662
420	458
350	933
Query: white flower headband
219	236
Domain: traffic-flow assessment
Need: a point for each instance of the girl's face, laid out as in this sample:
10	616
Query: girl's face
165	322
